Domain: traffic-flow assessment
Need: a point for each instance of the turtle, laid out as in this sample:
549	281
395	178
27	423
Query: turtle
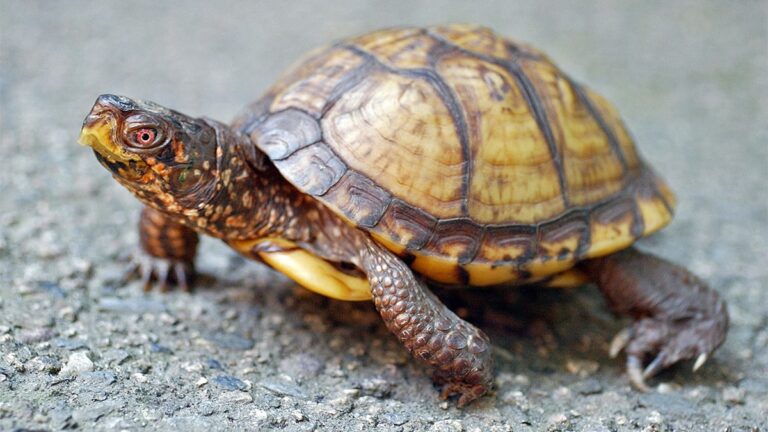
385	163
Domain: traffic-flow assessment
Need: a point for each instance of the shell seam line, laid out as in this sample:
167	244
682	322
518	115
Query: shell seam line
451	103
612	140
540	114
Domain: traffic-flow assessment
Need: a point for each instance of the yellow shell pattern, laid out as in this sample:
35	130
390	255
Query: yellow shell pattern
471	156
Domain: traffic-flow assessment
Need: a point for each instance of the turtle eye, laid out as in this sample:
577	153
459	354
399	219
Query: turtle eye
144	138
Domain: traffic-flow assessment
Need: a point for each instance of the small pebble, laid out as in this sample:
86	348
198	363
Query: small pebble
99	378
667	388
139	378
235	397
655	418
116	356
516	398
69	344
228	382
283	387
201	382
447	426
68	314
302	365
45	364
214	364
562	392
341	404
557	422
351	392
206	409
377	387
231	341
157	348
192	367
78	363
151	415
397	419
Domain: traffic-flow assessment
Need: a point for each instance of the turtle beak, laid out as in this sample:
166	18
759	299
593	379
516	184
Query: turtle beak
100	127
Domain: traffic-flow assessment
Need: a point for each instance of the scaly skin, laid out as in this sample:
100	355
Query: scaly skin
676	315
168	250
459	352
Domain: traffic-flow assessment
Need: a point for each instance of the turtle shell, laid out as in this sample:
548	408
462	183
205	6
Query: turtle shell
471	156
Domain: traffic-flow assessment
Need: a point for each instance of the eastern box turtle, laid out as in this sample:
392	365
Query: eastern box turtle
445	154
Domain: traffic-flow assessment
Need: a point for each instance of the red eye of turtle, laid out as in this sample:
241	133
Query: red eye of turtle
146	136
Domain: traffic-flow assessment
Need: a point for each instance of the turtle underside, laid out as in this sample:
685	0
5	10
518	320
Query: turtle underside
472	156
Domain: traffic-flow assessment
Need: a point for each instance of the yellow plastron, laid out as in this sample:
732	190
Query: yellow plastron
306	269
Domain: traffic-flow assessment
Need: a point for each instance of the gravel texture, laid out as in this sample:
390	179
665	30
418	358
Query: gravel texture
249	350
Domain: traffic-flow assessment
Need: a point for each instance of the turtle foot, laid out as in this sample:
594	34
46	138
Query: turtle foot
461	386
163	272
467	393
666	343
676	315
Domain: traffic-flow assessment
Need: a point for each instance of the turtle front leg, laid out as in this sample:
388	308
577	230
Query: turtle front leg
459	352
677	316
166	251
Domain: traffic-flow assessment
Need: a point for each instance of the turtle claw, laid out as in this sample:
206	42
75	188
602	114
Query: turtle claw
700	361
668	343
183	276
162	272
619	342
467	393
145	268
636	375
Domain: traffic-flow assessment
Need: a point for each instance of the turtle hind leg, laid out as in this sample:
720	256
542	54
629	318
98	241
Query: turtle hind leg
459	353
167	251
676	315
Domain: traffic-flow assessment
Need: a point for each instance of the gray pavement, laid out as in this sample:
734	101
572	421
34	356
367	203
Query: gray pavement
251	351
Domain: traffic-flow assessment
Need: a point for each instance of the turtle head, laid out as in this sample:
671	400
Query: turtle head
167	159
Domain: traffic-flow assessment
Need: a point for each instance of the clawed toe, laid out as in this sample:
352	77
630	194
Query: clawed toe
161	272
619	342
467	393
635	373
666	343
700	361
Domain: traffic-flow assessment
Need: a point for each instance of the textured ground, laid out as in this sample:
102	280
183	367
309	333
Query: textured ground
249	350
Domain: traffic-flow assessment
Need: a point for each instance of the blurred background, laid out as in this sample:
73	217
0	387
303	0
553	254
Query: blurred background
250	350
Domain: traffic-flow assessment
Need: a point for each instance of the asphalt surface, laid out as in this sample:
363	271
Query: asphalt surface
249	350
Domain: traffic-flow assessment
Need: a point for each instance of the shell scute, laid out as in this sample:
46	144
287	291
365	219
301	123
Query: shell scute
316	168
473	155
380	129
358	198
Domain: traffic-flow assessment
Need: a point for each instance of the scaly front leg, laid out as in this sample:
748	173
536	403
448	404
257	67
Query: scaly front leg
167	251
459	352
677	316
